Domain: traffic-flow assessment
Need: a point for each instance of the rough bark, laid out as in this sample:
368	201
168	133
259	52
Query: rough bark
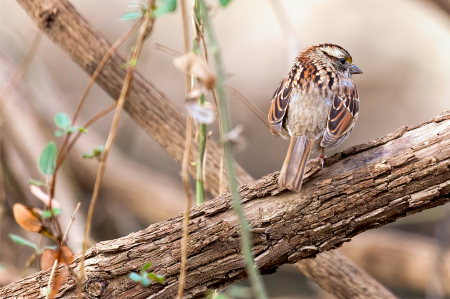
343	282
362	188
146	105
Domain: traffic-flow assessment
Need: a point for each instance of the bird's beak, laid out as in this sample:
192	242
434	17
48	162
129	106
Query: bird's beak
355	70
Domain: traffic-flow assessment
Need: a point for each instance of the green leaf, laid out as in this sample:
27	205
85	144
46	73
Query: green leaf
46	214
145	267
21	241
132	62
224	3
82	130
131	16
123	66
47	161
62	120
134	276
157	278
96	152
36	182
164	7
59	133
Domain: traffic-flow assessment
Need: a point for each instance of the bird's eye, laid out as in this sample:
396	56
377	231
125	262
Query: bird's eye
342	60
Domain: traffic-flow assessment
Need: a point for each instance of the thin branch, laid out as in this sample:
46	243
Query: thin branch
63	151
250	105
252	271
144	31
21	70
185	162
6	93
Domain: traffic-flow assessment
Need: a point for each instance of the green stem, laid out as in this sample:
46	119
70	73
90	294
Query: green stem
201	153
200	190
246	243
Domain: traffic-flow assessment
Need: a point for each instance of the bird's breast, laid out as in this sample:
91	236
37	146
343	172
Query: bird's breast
307	115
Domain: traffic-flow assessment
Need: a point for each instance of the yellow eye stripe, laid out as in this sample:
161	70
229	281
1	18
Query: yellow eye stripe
349	59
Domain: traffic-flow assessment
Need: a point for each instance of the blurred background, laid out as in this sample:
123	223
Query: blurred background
402	46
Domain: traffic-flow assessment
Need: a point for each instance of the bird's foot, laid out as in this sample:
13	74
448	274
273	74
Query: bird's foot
321	159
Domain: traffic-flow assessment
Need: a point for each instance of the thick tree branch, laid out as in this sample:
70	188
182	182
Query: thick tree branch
146	105
362	188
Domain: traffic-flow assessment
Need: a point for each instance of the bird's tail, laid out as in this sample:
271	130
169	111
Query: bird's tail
291	175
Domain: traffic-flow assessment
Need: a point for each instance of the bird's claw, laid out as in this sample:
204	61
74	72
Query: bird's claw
321	159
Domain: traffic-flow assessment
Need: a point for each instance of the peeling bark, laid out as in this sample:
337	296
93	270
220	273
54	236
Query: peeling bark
362	188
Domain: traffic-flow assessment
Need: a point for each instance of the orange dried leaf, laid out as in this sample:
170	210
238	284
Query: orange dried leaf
48	259
26	218
65	255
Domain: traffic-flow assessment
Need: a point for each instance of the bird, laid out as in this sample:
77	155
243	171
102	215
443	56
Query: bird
315	106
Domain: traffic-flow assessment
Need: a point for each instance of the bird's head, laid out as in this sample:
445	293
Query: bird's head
338	58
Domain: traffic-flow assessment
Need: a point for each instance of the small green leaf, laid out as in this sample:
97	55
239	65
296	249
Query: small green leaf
21	241
36	182
145	282
157	278
59	133
62	120
56	211
134	276
46	214
224	3
145	267
131	16
96	152
82	130
123	66
132	62
47	161
164	7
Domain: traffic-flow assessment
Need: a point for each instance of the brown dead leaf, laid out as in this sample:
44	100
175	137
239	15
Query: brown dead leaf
63	254
48	258
26	218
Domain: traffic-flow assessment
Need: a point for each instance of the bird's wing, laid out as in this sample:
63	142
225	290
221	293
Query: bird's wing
279	105
343	114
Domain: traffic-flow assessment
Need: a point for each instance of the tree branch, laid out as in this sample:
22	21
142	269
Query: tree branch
339	276
362	188
146	105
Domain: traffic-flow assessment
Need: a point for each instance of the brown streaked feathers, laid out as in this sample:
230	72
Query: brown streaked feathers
316	101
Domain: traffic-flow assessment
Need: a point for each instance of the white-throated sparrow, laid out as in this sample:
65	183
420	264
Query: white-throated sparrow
316	105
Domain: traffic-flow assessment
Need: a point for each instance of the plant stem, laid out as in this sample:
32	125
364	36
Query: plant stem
246	243
200	190
185	163
144	31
